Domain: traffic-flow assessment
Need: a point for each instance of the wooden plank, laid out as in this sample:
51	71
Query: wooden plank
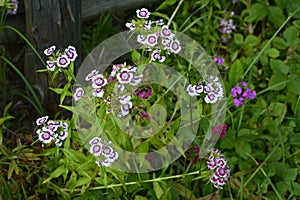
90	10
56	22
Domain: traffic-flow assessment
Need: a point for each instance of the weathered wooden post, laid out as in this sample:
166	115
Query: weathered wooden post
50	22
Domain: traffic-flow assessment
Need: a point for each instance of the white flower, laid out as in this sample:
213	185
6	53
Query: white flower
151	39
50	65
99	92
98	81
41	120
49	50
166	32
63	61
191	90
175	47
156	56
131	26
124	99
91	75
96	149
71	53
79	92
46	136
124	76
63	135
143	13
141	39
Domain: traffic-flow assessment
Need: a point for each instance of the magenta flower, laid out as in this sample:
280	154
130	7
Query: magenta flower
219	61
242	92
220	129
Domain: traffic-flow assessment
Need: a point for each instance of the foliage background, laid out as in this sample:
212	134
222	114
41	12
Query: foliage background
262	143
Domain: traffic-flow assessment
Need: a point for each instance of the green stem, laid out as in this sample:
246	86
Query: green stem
269	42
174	13
27	41
37	101
138	182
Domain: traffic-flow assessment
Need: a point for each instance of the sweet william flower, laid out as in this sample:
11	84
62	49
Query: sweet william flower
143	13
49	50
63	61
79	92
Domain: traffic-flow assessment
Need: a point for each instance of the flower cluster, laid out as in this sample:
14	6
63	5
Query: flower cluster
212	90
219	61
217	163
242	92
226	27
220	129
160	39
51	130
60	59
103	151
122	75
144	94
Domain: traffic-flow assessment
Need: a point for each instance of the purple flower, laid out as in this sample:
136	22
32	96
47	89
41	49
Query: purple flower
220	129
235	1
166	32
15	4
242	92
219	61
145	115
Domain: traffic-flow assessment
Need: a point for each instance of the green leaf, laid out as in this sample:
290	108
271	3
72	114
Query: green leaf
71	183
275	15
277	109
291	35
251	40
159	191
291	174
238	38
279	66
56	173
272	52
296	188
166	4
242	148
138	197
236	72
293	6
293	86
256	12
3	119
277	81
279	43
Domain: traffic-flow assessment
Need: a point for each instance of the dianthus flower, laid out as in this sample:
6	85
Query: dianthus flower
217	164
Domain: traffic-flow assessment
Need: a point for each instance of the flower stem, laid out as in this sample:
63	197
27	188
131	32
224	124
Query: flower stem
138	182
174	13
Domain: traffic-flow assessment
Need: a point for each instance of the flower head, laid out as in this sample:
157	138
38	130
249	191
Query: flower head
242	92
143	13
79	92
